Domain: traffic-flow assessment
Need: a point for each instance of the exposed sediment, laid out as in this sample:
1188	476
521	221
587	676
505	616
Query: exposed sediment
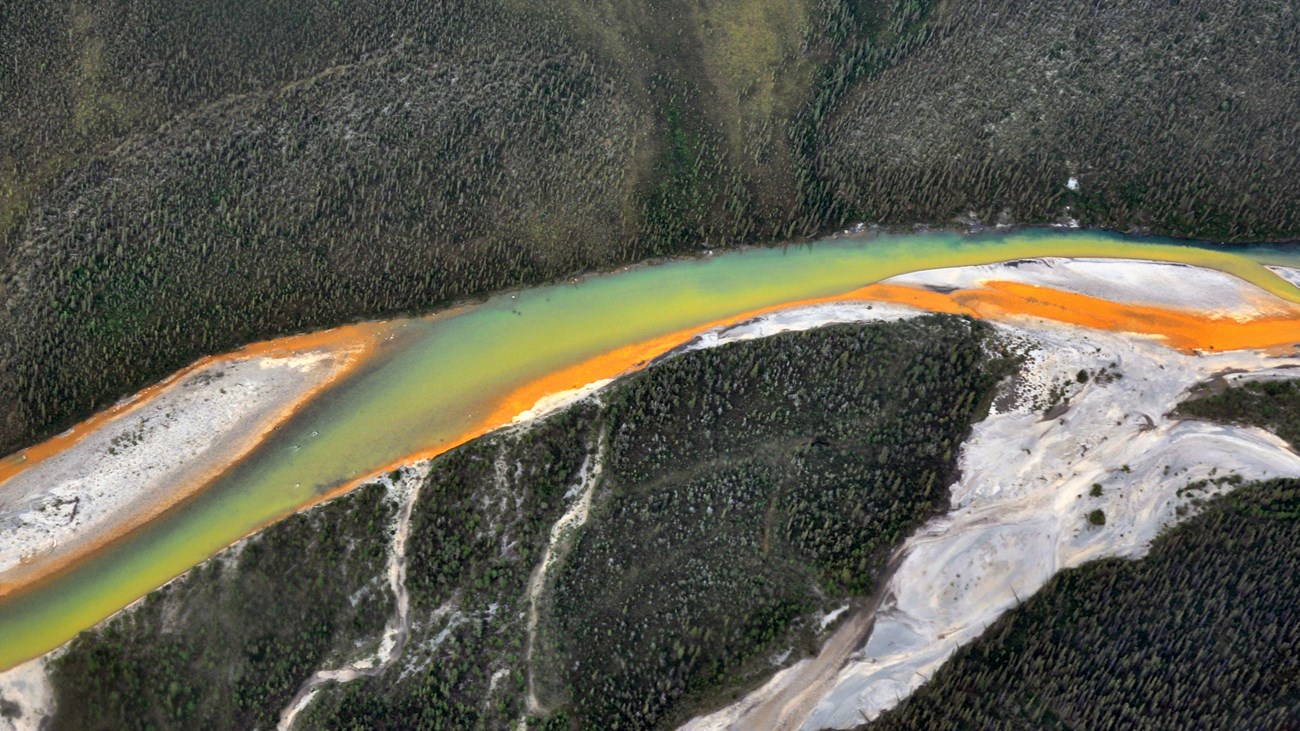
558	543
1020	509
405	491
26	696
145	456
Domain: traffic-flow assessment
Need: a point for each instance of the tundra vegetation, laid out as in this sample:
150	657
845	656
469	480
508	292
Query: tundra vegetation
745	491
178	178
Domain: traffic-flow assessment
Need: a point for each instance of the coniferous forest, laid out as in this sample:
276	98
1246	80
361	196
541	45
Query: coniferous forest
784	471
180	178
1204	632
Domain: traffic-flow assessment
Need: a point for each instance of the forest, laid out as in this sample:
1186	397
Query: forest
1271	404
1204	632
1201	633
747	487
180	178
789	469
228	644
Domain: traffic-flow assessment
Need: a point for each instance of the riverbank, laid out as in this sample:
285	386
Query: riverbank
1030	483
451	378
1006	503
83	490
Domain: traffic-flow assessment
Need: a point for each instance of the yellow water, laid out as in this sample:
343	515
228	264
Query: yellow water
445	379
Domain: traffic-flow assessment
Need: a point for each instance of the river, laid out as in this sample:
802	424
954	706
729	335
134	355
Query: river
446	378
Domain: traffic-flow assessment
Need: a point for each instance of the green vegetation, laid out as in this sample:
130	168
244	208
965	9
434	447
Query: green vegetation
1202	633
229	643
477	533
427	174
188	176
1173	118
746	487
1097	517
1272	405
745	491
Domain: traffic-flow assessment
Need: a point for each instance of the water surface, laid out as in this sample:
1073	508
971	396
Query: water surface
444	379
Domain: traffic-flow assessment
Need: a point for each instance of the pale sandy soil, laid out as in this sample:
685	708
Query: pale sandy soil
1019	510
27	687
557	546
557	402
1290	274
404	492
800	318
1148	283
149	457
804	318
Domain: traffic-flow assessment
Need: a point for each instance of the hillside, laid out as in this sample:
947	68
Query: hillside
1200	633
180	178
749	523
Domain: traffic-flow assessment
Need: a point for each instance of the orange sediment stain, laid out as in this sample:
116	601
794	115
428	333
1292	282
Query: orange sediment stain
347	336
620	361
1186	330
351	344
1001	301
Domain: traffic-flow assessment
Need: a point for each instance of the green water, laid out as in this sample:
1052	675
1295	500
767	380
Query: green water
440	376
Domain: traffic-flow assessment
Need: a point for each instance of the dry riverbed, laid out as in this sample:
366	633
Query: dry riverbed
26	697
